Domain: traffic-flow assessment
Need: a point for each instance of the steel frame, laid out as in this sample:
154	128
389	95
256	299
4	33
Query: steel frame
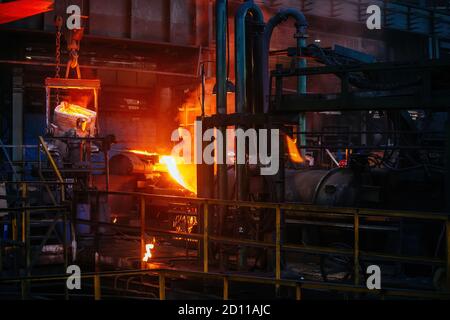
420	97
205	237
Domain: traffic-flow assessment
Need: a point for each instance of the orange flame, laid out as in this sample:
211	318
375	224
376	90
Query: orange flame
148	253
293	151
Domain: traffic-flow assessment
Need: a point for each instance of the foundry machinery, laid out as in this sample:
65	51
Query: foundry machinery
379	142
392	159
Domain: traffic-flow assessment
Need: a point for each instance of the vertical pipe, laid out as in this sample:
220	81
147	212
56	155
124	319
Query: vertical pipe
301	89
221	65
240	50
142	216
356	249
205	237
162	287
278	87
17	116
221	81
279	18
259	70
246	73
221	101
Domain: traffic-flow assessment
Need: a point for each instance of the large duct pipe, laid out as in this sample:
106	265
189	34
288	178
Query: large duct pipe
301	25
221	58
249	7
242	53
246	64
221	81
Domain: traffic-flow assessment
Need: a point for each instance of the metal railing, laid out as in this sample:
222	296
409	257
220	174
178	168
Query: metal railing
164	274
294	210
205	237
20	226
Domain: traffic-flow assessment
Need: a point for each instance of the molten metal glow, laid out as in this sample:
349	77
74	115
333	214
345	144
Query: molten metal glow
142	153
293	151
184	174
16	10
179	172
148	253
75	110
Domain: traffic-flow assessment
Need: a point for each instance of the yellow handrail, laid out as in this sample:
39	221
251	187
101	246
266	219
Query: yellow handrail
53	164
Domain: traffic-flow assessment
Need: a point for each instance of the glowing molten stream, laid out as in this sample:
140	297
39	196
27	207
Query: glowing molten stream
148	253
142	153
293	151
183	174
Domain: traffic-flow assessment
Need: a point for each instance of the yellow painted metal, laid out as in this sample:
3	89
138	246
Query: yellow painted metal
305	285
205	237
302	208
97	288
278	244
53	164
143	240
15	232
298	292
225	288
162	286
356	213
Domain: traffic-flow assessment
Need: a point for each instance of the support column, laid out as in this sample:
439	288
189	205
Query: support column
17	114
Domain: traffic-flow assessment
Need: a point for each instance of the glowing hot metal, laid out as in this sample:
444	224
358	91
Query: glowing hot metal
148	253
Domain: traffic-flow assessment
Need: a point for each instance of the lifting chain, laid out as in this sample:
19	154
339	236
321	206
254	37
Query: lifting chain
58	24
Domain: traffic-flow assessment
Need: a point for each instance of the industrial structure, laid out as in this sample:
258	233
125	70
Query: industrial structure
356	120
